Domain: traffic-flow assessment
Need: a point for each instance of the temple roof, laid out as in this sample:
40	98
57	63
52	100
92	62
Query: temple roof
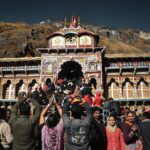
78	31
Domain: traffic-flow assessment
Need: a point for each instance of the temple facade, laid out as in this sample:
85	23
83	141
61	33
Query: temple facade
128	78
73	52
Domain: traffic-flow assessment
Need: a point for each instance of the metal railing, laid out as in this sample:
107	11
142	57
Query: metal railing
105	113
19	68
128	64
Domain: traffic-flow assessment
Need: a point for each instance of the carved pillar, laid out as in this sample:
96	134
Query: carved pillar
26	85
14	89
54	78
3	83
1	86
120	86
120	90
135	86
135	90
100	69
98	82
101	74
149	89
2	90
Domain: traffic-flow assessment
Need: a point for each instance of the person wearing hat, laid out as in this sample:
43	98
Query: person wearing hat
23	124
77	128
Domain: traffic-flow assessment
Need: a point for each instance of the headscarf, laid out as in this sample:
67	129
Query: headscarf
111	128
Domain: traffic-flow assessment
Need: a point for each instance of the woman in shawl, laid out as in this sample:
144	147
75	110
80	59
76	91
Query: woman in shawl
52	128
114	135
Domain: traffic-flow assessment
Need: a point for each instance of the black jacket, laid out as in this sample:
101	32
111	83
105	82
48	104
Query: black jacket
98	136
144	127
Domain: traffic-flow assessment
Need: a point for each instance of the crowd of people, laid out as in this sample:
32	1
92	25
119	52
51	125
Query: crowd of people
66	115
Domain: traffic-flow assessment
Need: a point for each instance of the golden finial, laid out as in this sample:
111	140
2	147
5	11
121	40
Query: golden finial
71	19
65	22
78	20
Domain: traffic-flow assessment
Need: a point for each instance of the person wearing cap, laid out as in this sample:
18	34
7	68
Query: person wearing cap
23	125
77	128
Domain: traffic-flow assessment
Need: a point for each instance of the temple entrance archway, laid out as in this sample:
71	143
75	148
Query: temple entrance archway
93	82
70	70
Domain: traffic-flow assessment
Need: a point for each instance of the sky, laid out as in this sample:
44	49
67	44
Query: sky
112	13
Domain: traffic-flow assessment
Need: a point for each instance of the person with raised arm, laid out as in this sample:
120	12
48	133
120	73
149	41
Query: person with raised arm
23	124
52	127
78	127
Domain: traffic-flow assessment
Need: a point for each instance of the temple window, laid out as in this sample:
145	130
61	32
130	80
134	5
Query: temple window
142	88
113	89
128	90
8	90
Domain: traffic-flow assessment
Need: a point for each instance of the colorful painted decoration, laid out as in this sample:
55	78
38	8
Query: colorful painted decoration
71	40
58	41
85	40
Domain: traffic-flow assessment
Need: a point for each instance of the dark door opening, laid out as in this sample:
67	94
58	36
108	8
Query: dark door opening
93	81
70	70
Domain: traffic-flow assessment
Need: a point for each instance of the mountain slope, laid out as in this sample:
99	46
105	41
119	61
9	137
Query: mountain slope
15	38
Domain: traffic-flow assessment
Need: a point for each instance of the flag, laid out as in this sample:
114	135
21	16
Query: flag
74	22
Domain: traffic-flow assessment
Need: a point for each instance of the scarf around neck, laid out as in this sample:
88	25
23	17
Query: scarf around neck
112	128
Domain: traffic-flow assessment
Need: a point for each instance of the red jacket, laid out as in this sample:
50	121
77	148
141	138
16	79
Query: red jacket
98	100
88	99
115	140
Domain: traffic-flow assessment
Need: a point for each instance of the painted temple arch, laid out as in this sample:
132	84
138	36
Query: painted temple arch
124	78
70	69
68	47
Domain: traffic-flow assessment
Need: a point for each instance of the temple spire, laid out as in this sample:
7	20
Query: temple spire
78	21
71	19
65	22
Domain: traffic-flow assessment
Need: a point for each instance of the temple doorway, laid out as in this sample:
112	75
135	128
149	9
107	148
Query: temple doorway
93	82
70	70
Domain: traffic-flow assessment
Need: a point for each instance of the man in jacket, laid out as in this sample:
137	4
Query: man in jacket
77	128
144	130
23	124
98	133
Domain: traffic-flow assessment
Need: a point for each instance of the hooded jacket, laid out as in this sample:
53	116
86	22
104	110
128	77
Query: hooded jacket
98	100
